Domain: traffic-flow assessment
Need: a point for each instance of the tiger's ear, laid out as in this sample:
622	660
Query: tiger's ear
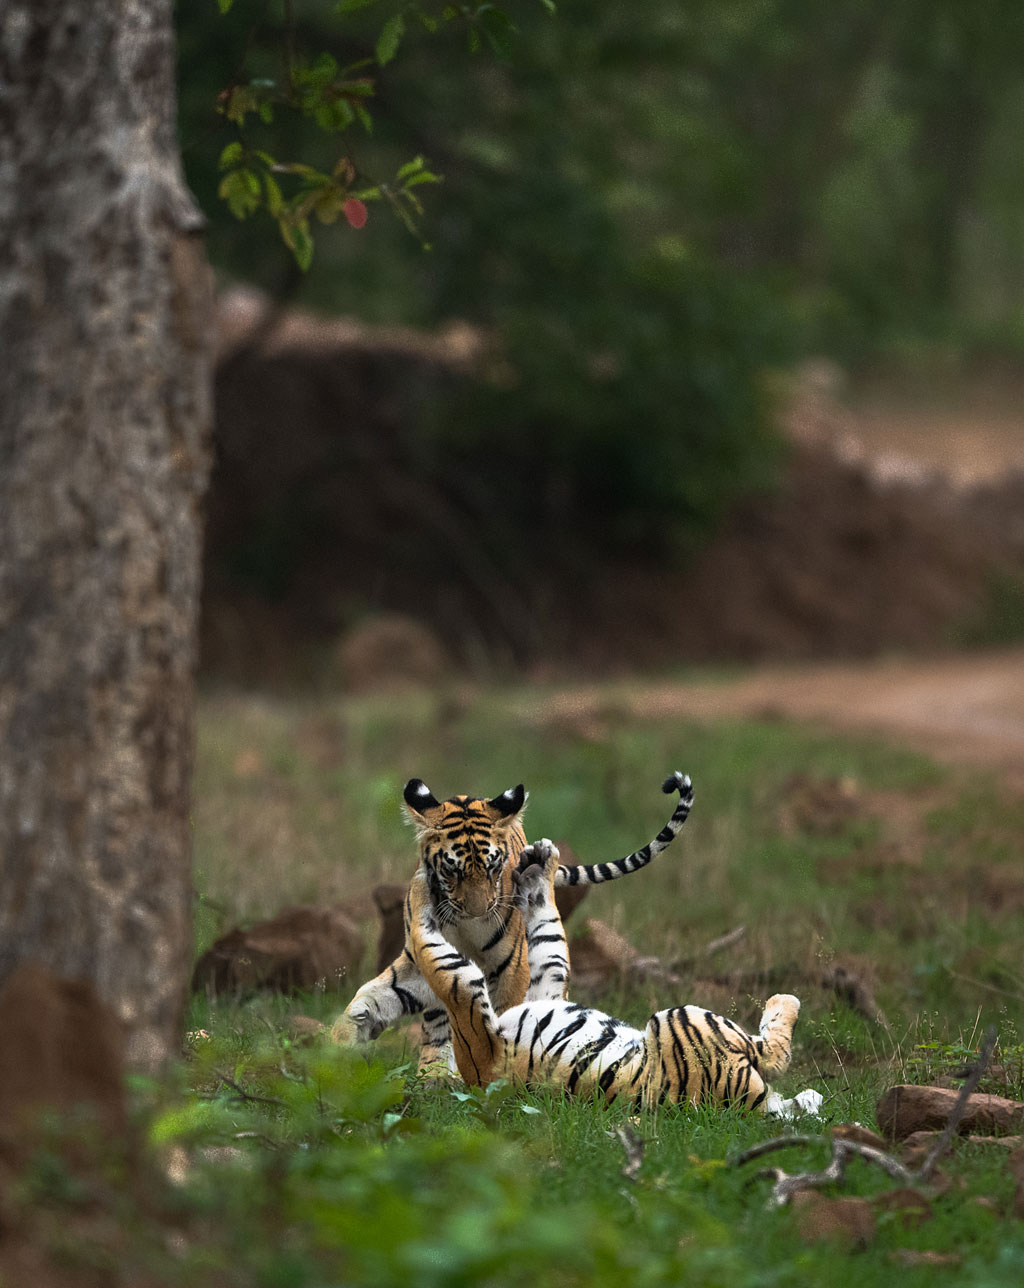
419	800
507	807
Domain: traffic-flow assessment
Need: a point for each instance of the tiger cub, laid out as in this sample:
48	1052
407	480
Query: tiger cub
462	916
685	1053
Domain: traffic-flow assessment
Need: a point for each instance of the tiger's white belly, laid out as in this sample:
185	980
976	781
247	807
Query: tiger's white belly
573	1046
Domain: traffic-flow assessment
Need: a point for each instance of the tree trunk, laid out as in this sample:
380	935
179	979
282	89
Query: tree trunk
104	412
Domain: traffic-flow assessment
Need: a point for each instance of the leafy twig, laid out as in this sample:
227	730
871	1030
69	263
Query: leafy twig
960	1107
248	1096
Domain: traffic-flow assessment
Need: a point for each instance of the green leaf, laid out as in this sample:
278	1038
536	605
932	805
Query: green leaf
328	205
549	5
334	116
241	99
365	119
349	6
410	167
324	70
241	190
303	246
307	172
275	199
224	5
390	36
231	155
424	176
499	30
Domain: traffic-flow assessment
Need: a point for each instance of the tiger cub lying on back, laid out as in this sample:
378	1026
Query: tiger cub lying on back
685	1053
461	915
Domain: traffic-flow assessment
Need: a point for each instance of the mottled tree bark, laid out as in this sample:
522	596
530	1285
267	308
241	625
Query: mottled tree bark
104	410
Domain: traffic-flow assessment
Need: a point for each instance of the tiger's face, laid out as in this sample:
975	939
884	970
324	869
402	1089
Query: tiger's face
466	845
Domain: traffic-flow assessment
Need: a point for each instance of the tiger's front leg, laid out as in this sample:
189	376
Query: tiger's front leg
398	990
459	985
545	935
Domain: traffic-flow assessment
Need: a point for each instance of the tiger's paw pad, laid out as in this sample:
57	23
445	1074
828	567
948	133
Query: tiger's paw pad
536	872
540	854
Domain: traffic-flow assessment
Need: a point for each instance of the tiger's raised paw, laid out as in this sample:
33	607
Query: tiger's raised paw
535	873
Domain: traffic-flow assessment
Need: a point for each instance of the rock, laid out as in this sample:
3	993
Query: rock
304	1029
906	1109
62	1048
301	948
915	1148
389	900
847	1220
388	652
862	1135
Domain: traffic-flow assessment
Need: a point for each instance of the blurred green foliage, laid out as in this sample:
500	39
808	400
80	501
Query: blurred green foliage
643	211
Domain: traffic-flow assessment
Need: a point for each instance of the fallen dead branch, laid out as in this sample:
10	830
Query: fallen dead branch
710	949
844	1147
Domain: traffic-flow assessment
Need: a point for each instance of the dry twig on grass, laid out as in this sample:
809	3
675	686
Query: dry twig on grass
633	1147
971	1082
843	1148
710	949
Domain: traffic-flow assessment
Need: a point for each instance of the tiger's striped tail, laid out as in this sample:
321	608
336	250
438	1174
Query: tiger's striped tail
595	873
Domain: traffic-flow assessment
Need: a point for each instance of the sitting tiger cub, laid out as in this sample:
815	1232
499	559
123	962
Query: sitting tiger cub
462	915
685	1053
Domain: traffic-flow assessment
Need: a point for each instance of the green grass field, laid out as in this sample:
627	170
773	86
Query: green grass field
831	851
307	1166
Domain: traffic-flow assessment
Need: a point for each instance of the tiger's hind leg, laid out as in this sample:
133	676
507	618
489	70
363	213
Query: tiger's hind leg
545	935
775	1043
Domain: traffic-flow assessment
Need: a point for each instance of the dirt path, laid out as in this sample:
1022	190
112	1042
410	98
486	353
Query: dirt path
961	709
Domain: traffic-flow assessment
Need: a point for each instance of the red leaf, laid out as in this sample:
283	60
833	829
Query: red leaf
355	212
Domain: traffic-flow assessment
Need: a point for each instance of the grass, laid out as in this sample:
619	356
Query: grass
310	1166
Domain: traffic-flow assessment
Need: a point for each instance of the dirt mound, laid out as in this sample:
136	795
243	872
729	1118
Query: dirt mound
835	563
317	520
300	948
390	651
